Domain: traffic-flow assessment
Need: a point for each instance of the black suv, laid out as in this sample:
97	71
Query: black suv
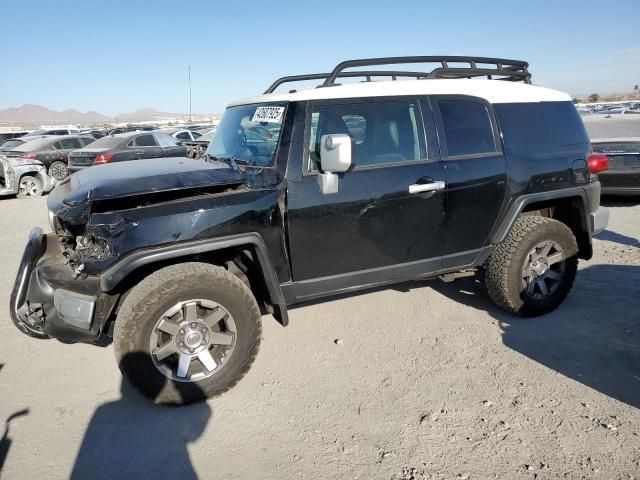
310	194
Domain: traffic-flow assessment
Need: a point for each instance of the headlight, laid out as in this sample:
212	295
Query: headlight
52	221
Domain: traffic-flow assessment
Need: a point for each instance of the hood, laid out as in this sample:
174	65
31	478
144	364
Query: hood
138	177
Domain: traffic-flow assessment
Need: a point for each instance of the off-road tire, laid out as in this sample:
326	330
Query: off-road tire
147	302
503	269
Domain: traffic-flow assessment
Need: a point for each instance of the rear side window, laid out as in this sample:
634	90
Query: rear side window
145	141
566	123
467	127
70	143
183	136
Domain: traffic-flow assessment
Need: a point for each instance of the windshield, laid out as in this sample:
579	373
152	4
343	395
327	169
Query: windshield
249	134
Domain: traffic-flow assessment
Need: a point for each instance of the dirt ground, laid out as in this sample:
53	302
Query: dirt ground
425	380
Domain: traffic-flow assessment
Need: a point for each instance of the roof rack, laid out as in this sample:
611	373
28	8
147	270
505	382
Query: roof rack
368	75
492	68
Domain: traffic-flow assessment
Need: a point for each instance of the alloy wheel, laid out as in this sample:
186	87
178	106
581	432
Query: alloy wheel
29	187
543	270
193	340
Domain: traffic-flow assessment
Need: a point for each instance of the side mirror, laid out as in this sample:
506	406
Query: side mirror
335	157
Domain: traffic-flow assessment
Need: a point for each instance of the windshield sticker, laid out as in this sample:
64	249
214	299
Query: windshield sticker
268	114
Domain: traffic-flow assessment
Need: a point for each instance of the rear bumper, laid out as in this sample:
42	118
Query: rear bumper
48	300
599	220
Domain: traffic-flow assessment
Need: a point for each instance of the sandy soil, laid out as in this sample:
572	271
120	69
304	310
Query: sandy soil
425	380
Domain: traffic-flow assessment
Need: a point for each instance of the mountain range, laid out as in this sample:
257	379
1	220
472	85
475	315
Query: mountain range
39	115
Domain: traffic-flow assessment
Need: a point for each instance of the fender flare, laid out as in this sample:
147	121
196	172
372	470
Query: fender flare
115	274
518	205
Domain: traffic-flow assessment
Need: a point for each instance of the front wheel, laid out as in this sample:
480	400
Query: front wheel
187	332
30	186
531	272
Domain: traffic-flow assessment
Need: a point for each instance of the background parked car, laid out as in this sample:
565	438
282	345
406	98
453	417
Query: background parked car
51	151
623	176
24	178
9	135
126	146
55	131
197	147
181	134
132	128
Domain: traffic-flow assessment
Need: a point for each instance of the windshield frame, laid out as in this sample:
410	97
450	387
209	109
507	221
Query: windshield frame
276	153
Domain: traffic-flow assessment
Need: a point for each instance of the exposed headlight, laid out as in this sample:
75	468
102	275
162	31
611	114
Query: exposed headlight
52	221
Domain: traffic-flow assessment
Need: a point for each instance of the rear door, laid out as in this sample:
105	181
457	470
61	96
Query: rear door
146	146
374	228
476	167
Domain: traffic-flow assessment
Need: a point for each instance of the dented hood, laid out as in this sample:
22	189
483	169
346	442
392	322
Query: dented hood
123	179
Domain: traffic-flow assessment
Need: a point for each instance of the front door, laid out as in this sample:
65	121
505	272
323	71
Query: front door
382	224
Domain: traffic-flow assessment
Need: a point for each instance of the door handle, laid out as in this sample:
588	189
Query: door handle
426	187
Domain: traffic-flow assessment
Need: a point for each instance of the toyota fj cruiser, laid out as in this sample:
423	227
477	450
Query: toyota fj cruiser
465	167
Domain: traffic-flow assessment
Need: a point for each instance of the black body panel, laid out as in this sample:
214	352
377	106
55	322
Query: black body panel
374	230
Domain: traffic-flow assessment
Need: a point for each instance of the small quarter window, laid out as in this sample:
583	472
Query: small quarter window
467	127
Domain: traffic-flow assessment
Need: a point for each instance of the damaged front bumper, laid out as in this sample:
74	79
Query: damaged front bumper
49	300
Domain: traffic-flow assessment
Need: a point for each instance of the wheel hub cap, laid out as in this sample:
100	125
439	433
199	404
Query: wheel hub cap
193	339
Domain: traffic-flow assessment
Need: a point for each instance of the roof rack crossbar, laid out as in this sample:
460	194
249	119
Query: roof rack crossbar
513	70
368	75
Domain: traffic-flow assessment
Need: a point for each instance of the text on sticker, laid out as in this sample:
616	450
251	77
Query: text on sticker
268	114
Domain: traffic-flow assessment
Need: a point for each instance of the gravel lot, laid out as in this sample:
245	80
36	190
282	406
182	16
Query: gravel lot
425	380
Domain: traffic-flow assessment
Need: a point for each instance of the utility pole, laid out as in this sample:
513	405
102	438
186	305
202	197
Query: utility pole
189	77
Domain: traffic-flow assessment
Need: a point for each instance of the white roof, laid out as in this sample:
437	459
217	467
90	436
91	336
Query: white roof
494	91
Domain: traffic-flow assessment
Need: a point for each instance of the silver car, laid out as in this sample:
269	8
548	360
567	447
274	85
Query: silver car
24	178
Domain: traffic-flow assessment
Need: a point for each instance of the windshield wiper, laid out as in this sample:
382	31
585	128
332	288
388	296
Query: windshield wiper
232	161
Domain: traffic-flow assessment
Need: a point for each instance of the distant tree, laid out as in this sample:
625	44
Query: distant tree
575	100
594	97
636	88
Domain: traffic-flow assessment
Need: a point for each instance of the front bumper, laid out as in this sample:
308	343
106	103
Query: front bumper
48	300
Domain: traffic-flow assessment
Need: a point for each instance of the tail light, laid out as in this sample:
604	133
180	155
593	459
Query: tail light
598	162
103	158
30	156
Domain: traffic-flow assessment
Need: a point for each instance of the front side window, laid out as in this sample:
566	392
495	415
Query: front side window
249	134
382	132
467	127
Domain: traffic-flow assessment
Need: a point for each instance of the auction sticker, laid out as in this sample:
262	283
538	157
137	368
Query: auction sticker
268	114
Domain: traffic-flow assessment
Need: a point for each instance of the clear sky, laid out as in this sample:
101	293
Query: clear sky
115	56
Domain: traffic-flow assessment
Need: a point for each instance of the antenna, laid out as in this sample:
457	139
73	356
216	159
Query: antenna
189	78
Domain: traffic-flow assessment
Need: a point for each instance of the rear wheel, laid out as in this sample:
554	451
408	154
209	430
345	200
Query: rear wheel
187	332
58	170
29	186
531	272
